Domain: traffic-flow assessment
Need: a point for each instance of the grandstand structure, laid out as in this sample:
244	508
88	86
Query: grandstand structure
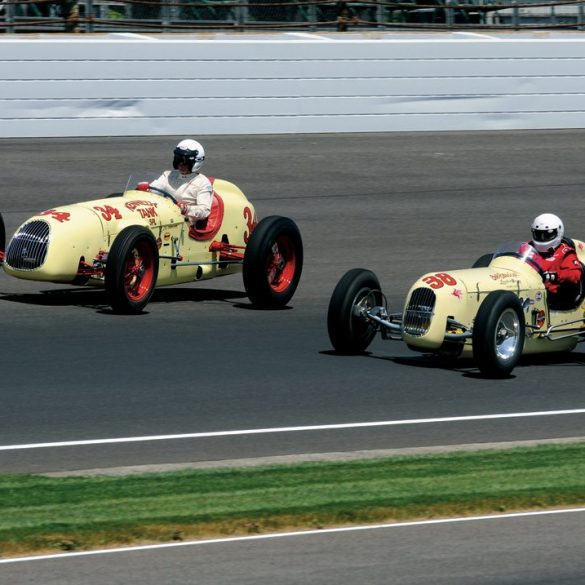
152	16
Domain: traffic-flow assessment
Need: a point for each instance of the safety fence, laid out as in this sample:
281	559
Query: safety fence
20	16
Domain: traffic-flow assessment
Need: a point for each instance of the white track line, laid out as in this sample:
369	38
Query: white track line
289	534
299	429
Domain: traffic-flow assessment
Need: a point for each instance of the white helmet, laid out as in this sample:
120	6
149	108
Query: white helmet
547	232
190	151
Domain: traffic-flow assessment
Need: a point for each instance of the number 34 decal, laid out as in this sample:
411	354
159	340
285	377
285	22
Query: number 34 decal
439	280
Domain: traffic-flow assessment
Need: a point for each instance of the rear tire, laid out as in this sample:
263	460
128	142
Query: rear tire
131	270
499	334
357	290
273	262
2	239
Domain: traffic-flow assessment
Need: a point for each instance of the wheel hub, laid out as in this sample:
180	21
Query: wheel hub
507	335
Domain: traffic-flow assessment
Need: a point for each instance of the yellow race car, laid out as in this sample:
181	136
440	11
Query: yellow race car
133	241
494	312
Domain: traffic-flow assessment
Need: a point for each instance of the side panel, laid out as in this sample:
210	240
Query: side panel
457	294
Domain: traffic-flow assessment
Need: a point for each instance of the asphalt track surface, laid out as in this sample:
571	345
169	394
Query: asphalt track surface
200	363
524	550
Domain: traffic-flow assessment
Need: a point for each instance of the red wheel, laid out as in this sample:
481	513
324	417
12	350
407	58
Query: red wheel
131	270
139	271
273	262
282	264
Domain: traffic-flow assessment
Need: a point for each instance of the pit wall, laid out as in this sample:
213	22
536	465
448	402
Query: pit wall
137	85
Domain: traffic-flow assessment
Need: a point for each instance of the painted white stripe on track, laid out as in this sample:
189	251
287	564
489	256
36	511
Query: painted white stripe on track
299	429
149	547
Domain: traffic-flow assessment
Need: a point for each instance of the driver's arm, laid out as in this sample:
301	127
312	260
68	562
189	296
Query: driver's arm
161	183
570	269
199	203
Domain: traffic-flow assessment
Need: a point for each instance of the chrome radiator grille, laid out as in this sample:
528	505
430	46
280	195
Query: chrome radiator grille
28	248
419	312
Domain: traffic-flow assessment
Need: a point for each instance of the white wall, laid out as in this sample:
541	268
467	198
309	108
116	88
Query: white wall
127	84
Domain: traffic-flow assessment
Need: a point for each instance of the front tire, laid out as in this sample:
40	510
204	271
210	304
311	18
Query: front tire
131	270
357	291
273	262
498	334
2	239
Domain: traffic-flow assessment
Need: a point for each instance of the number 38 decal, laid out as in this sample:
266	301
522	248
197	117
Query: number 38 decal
439	280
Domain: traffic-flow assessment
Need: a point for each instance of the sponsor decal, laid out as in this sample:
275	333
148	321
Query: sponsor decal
538	296
134	205
538	318
457	293
167	236
147	212
502	275
60	216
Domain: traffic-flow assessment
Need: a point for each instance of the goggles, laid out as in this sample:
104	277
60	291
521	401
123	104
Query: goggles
183	158
544	235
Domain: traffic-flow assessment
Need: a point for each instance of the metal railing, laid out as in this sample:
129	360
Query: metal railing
88	16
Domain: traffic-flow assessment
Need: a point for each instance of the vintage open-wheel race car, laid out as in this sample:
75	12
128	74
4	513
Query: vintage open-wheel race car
133	241
494	312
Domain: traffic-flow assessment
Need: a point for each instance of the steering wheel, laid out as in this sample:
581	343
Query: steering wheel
163	193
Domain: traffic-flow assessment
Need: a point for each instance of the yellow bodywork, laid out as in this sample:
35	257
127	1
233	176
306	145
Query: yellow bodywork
83	231
459	294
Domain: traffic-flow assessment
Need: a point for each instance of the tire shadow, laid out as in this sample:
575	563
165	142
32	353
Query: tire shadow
97	299
466	366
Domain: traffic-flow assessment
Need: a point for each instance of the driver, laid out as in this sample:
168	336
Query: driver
185	183
556	259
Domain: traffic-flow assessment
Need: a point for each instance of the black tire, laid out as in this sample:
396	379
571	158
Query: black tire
273	262
499	334
2	237
483	261
349	333
131	270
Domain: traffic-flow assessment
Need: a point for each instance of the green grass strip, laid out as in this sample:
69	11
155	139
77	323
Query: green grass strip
40	514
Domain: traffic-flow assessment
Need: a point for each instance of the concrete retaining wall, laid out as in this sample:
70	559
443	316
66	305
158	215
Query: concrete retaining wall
128	84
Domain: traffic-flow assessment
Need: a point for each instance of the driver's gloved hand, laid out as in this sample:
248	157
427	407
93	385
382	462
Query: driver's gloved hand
550	277
184	206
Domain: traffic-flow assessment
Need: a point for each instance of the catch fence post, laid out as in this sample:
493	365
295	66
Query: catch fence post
380	14
449	20
242	12
89	15
10	17
165	15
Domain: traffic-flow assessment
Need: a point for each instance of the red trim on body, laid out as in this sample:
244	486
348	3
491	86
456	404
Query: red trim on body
227	251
